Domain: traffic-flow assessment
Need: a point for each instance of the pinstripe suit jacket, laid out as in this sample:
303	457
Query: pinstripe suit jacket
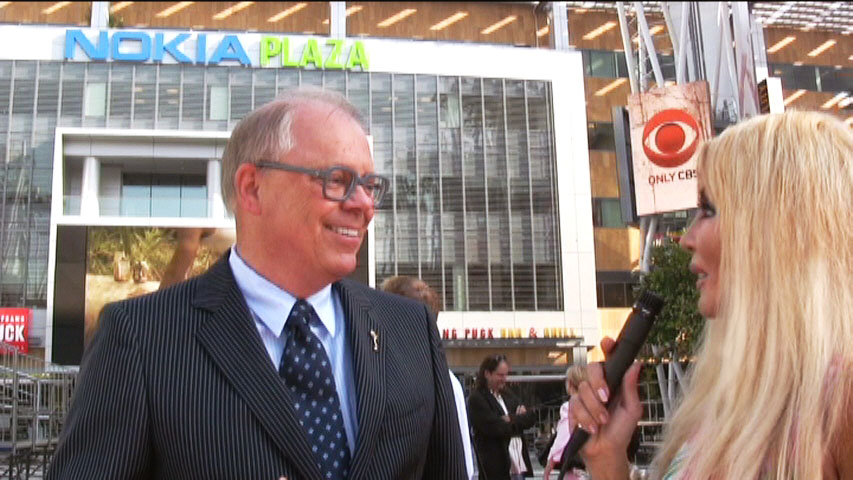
178	384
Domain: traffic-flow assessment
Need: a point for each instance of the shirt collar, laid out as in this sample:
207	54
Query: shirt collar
270	304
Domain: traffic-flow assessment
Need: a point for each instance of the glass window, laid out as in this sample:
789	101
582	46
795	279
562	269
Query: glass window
241	93
600	136
144	95
192	98
795	77
193	196
613	295
667	66
835	79
163	195
218	103
601	64
121	95
607	212
136	195
169	86
621	65
96	100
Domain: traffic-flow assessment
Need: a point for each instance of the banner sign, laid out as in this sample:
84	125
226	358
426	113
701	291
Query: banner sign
668	125
491	333
214	49
15	327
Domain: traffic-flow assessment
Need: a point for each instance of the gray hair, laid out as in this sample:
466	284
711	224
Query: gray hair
266	132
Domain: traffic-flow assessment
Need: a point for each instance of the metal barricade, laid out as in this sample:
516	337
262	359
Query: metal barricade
34	398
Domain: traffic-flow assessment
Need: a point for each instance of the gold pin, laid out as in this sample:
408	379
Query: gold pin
375	340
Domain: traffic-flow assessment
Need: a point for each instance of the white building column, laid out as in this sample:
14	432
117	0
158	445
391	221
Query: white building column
338	19
90	187
559	26
100	15
215	205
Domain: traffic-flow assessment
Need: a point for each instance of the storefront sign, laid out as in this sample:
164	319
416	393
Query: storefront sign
15	327
192	48
334	59
491	333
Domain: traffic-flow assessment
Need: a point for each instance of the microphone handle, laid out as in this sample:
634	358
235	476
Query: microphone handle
628	345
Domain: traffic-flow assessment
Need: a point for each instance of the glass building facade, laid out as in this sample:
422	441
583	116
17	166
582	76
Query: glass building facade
474	199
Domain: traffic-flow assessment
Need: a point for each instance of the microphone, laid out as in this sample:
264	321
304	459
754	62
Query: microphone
620	358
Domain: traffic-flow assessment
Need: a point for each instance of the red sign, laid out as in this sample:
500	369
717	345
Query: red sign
669	148
15	327
668	125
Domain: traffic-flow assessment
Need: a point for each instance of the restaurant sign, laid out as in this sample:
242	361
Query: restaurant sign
15	327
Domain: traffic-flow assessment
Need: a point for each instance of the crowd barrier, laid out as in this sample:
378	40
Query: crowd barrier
34	398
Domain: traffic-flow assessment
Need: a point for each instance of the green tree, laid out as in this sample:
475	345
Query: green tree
679	324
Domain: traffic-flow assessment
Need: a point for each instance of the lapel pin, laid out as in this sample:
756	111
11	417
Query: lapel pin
375	340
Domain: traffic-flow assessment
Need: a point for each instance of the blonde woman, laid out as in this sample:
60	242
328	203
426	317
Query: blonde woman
574	376
771	393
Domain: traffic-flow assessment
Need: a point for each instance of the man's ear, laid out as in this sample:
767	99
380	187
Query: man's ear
246	188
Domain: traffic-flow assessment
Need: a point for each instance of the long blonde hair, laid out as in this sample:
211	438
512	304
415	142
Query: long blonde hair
772	380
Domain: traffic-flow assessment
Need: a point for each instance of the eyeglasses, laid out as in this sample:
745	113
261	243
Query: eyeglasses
339	182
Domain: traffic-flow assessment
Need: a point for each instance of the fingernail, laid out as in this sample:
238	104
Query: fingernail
602	395
603	418
591	429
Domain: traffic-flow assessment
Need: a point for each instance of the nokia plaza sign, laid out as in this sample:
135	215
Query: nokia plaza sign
213	49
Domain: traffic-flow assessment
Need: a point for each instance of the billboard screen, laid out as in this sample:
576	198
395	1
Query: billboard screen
126	262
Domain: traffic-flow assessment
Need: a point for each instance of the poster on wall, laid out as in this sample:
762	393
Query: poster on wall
126	262
15	327
668	125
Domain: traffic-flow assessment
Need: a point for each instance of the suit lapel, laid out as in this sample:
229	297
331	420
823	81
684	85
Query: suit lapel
231	339
368	370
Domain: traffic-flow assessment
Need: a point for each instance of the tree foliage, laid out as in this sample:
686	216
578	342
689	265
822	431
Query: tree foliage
679	324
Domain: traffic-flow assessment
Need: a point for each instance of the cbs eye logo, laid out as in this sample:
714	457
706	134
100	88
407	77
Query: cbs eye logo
670	138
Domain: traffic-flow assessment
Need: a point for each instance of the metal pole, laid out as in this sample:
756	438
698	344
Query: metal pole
629	52
650	44
670	29
647	248
715	94
727	48
681	63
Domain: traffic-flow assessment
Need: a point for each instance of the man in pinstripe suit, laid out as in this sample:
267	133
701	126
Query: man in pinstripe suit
185	383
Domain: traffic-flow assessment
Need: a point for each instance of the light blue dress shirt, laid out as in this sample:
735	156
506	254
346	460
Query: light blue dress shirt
270	306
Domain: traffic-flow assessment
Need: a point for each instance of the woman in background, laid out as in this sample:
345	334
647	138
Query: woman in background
574	376
770	395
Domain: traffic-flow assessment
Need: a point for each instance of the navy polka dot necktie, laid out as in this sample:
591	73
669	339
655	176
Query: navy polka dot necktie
307	373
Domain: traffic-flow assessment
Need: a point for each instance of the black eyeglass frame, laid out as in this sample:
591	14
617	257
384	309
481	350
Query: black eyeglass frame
325	175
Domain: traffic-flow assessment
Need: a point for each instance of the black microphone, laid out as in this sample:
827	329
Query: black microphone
620	358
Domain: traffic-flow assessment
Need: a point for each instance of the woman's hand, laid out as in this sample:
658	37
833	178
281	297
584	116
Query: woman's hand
546	474
610	431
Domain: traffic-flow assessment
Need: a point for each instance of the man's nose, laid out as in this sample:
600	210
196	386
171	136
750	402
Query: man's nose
360	198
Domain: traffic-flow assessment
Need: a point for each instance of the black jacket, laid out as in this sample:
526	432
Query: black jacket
179	385
492	433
